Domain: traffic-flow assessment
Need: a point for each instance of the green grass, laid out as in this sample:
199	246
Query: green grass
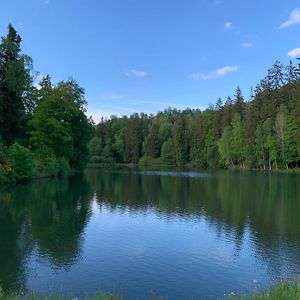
282	291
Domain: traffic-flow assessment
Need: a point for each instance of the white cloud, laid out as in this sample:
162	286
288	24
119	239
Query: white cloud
228	26
294	18
247	45
136	73
111	96
294	53
226	70
215	74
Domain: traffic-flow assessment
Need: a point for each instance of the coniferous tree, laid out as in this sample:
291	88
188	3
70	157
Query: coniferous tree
15	81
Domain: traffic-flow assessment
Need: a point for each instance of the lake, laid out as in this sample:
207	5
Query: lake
181	234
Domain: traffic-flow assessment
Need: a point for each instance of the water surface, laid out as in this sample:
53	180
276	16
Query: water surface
182	234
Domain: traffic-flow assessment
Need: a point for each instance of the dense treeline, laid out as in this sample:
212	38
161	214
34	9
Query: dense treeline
43	128
262	133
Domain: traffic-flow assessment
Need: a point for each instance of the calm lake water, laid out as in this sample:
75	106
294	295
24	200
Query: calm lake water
185	235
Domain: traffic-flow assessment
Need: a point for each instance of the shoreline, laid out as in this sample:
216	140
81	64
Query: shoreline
285	290
153	166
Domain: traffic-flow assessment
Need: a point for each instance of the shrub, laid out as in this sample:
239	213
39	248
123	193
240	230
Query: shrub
63	167
5	166
95	159
45	163
22	164
150	161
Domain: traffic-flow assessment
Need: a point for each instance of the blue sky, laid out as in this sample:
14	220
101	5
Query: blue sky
146	55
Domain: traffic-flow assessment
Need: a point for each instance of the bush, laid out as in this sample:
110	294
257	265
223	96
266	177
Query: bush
63	167
95	146
5	166
150	161
45	163
22	164
168	152
95	159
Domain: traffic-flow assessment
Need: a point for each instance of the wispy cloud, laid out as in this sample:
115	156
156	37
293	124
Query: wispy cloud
111	96
247	45
294	53
228	26
136	73
294	18
215	74
47	1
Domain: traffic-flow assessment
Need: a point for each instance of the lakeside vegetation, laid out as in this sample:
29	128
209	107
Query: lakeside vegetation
282	291
43	127
44	130
261	133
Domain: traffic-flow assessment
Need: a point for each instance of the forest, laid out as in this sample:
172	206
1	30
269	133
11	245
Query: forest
44	130
43	127
261	133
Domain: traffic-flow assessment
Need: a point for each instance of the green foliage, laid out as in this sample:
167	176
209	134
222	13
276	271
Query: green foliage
168	151
180	141
60	124
282	291
5	165
22	164
119	147
262	133
95	146
151	144
50	120
133	139
225	147
238	139
290	152
45	163
150	161
63	166
211	154
14	87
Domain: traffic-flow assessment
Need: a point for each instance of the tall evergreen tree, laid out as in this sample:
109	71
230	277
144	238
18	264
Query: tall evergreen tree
15	80
239	103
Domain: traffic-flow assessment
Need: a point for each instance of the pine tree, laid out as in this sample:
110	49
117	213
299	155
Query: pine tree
14	82
239	103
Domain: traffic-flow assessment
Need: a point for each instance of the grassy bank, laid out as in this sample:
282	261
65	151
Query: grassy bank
282	291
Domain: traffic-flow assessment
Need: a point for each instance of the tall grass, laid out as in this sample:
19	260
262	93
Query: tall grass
282	291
